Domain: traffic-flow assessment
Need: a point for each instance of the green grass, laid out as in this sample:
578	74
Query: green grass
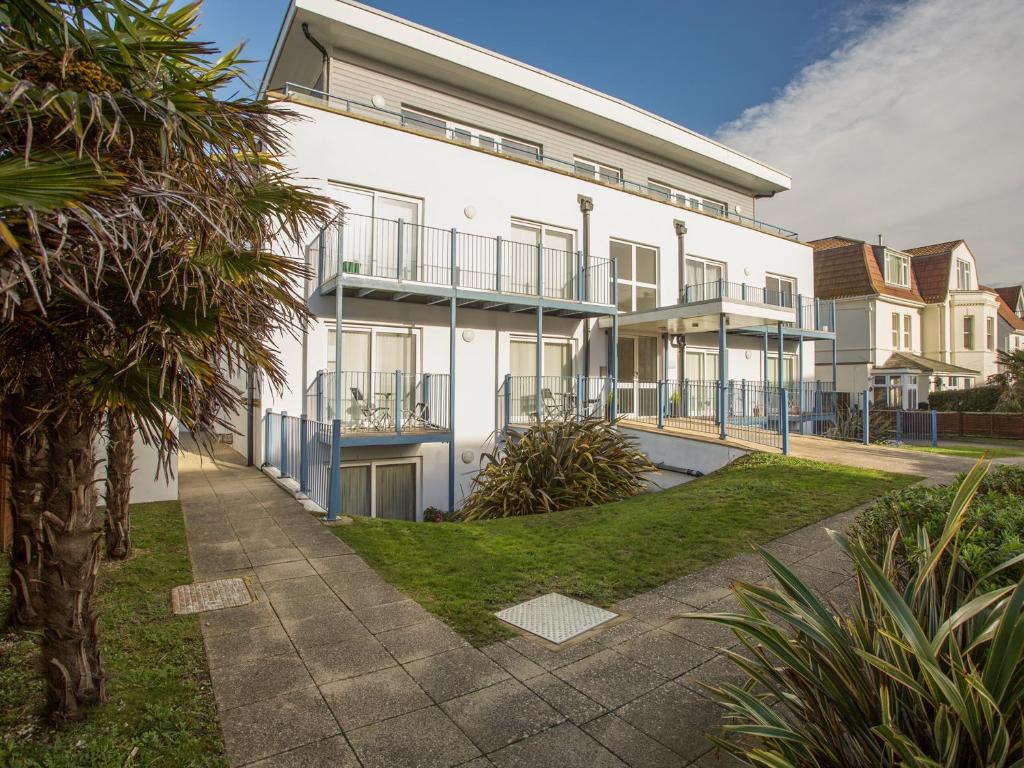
463	572
995	450
161	710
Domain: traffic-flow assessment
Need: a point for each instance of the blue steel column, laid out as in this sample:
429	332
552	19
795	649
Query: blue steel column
452	304
800	383
721	376
304	453
334	493
765	383
284	444
613	361
835	383
266	437
780	378
784	423
538	394
867	416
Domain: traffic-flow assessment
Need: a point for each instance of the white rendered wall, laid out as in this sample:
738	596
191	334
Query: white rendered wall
147	484
683	453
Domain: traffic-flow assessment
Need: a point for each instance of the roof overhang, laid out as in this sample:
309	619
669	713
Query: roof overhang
700	318
400	43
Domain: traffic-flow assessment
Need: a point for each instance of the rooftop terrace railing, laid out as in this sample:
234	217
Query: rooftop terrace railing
524	152
356	244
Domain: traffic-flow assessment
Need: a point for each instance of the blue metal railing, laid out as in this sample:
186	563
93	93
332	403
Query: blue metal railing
808	313
561	397
358	244
524	152
398	402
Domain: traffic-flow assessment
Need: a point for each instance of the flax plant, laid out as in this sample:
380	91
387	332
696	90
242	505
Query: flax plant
928	675
558	464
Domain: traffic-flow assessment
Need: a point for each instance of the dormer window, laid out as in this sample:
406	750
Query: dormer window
897	269
1020	307
963	275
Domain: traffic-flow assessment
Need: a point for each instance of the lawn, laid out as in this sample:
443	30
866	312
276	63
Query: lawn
996	449
161	710
463	572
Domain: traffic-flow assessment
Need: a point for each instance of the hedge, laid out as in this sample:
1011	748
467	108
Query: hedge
974	400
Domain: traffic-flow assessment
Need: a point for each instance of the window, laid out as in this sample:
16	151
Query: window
557	357
384	489
963	275
968	382
373	220
701	365
954	382
789	369
702	279
897	268
969	332
594	170
698	203
476	137
990	333
908	331
519	261
369	359
779	290
895	330
895	399
637	270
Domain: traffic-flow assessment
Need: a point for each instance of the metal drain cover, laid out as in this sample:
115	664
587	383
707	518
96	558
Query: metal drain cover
210	596
555	617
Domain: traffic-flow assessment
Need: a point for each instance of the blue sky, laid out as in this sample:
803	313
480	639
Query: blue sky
697	63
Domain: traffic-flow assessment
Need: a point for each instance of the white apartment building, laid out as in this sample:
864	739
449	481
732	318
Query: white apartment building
514	246
909	322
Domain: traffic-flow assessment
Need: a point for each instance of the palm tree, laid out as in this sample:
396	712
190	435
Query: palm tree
120	463
139	279
1010	380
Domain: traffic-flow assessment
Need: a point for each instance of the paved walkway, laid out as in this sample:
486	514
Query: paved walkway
332	666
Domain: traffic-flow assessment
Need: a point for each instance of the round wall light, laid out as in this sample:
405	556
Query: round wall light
468	456
468	335
747	354
470	212
746	271
379	101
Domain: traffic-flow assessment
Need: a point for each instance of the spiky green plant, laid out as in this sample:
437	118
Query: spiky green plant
930	675
557	465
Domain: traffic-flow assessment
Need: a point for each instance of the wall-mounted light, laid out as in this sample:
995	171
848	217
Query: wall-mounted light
468	456
468	335
470	212
379	101
746	271
747	354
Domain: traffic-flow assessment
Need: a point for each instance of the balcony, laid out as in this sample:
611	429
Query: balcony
407	261
523	153
383	407
747	307
560	397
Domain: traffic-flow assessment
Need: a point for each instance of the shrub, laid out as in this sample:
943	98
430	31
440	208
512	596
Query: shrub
557	465
994	524
973	400
929	675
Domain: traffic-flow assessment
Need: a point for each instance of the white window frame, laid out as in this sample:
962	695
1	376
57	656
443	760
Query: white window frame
697	202
703	353
413	330
895	330
968	332
790	361
593	169
963	275
897	268
781	279
473	136
908	332
523	338
417	461
990	334
633	283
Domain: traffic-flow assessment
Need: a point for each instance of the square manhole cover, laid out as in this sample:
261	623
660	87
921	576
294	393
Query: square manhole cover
210	596
555	617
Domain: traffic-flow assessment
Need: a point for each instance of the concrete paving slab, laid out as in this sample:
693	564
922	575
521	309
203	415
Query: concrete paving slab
631	745
501	714
422	739
368	699
340	661
455	673
610	679
565	746
258	679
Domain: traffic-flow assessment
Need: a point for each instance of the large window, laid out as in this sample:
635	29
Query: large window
969	332
895	330
558	354
897	269
373	220
908	332
779	290
384	489
963	275
697	202
519	262
990	333
789	368
702	279
637	270
595	170
476	137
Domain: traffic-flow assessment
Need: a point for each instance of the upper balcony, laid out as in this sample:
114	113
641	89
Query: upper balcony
406	261
524	153
746	307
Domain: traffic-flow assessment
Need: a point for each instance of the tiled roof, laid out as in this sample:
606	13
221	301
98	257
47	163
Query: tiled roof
844	267
932	273
1009	294
1006	312
933	249
905	360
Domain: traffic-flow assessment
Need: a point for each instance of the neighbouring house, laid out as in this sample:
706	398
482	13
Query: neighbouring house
515	246
909	321
1011	317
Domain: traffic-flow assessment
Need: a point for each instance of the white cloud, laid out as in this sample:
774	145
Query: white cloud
913	129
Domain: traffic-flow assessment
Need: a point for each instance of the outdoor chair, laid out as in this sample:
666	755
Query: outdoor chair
371	416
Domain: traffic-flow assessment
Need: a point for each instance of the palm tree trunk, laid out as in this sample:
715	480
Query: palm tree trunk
27	462
71	552
120	460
